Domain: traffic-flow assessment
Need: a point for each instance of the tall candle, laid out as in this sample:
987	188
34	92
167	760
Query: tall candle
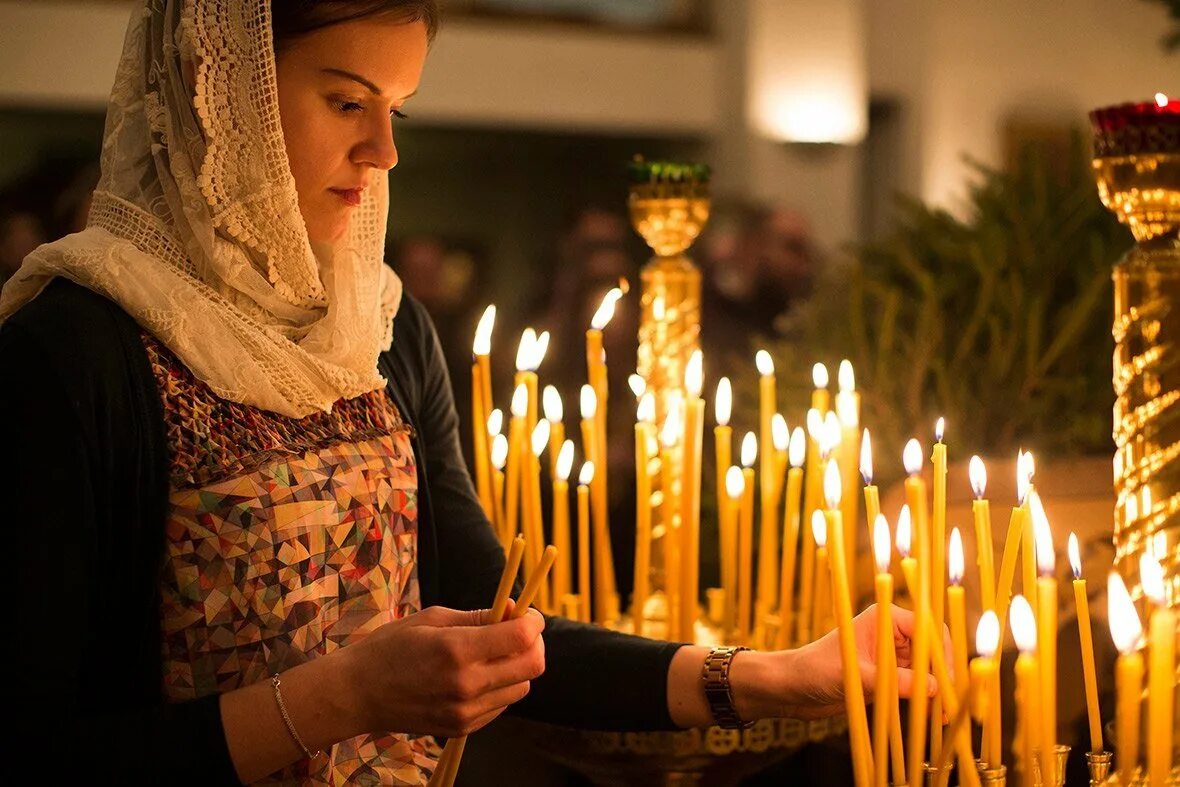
848	415
746	539
884	704
561	521
690	552
590	449
915	490
585	478
540	441
672	437
1161	676
643	441
1012	544
854	700
516	453
797	451
872	496
781	435
1086	643
554	411
768	533
480	405
735	489
1028	539
722	442
820	610
1024	630
499	459
1126	631
938	563
956	608
812	490
985	687
1046	634
830	448
981	511
597	376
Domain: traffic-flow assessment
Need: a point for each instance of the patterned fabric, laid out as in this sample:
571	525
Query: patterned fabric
286	539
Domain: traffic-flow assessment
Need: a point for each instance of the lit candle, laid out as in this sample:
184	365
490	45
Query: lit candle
796	450
554	411
854	699
915	490
585	478
884	693
768	534
1086	643
516	453
1046	633
561	520
956	608
690	479
820	610
872	496
671	435
597	376
1127	632
746	538
735	489
985	687
1161	675
1012	543
981	509
1024	631
1028	538
536	532
812	489
499	459
848	414
603	581
643	439
937	544
480	403
722	442
781	435
830	446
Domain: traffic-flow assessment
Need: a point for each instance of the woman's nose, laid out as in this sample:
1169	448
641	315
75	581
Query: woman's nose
378	150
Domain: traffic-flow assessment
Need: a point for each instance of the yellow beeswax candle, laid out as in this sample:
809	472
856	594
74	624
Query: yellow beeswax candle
585	478
735	489
915	489
848	416
981	512
820	611
1161	675
481	404
639	595
1046	634
1086	643
812	491
796	450
672	439
722	441
956	608
985	687
768	534
1127	632
499	459
938	563
1027	741
746	540
540	441
517	437
690	552
872	495
561	521
1012	545
884	702
554	410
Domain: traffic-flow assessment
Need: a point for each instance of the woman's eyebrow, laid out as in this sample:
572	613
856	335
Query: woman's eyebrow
372	88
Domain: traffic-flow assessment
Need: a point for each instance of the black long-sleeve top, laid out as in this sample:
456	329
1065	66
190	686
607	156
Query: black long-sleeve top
84	469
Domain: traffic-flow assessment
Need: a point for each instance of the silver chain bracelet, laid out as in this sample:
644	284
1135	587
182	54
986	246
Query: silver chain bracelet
274	681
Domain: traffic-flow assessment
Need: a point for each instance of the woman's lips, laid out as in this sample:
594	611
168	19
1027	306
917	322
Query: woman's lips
351	197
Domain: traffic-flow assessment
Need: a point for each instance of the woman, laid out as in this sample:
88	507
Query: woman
231	450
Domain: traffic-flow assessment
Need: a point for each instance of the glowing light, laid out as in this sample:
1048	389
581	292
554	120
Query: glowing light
832	435
797	451
911	457
954	558
780	434
764	363
524	350
987	634
606	309
815	425
637	385
1151	578
819	375
723	402
540	437
565	460
882	545
977	472
586	474
904	534
694	373
483	332
1075	555
1024	626
551	403
749	449
588	402
673	424
646	411
939	429
539	350
499	451
735	482
1125	628
1161	100
495	422
1042	537
832	486
520	401
866	458
845	377
819	528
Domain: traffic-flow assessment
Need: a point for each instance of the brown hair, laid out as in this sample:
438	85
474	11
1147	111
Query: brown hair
291	19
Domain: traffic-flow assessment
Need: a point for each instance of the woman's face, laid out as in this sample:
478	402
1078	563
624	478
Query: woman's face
340	89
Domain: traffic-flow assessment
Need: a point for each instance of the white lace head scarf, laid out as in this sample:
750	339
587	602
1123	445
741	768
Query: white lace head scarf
195	228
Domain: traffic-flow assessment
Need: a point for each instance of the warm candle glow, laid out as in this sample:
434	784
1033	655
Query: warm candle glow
780	434
882	546
1161	100
1025	467
540	437
483	332
797	451
749	449
911	457
499	451
819	528
866	458
1024	626
819	375
815	425
673	424
845	377
520	401
606	309
586	474
764	363
735	482
565	460
551	404
954	558
1125	628
977	472
694	373
1151	579
939	429
540	347
723	403
987	636
646	410
496	422
904	535
1075	555
832	485
1042	537
637	385
589	402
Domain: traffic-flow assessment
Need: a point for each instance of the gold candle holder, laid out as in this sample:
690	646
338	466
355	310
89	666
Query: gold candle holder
1099	763
993	777
1137	167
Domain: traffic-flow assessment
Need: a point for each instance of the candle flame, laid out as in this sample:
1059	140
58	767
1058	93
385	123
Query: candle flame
954	558
540	347
735	482
798	449
1075	555
673	424
637	384
779	432
845	377
606	309
749	449
977	472
846	409
588	402
524	350
904	534
819	375
832	486
819	528
1024	625
764	363
483	332
1023	477
815	425
987	634
540	437
723	402
565	460
939	429
911	457
495	422
832	435
1161	100
499	451
1151	578
646	411
1042	537
586	474
882	545
551	403
694	373
866	457
1125	628
520	401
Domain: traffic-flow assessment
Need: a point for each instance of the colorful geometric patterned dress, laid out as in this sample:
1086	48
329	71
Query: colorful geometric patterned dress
286	539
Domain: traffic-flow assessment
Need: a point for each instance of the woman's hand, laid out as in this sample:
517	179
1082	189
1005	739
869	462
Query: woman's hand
808	683
442	671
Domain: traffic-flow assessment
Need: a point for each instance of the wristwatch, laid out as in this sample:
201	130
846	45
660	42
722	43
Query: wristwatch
715	676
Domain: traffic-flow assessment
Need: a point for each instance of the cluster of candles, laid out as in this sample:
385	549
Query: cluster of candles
809	475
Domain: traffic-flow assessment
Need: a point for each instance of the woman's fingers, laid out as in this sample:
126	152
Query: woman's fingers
905	683
497	640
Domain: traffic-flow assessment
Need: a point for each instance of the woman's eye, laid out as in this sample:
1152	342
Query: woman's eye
349	107
398	114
